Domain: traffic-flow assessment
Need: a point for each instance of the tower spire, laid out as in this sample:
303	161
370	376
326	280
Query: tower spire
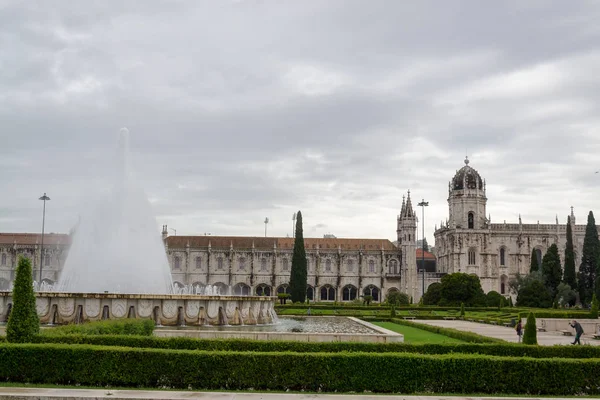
409	209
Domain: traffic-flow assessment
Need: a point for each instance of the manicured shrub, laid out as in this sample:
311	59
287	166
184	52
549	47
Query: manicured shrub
594	310
497	348
530	334
143	327
462	310
23	322
333	372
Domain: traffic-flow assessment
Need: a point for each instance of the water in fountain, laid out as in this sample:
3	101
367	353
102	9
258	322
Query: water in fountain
117	246
204	290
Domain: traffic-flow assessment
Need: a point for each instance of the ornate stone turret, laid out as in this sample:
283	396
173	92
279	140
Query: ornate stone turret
407	242
467	199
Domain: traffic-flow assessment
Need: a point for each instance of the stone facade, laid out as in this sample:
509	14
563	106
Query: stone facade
13	245
469	242
338	269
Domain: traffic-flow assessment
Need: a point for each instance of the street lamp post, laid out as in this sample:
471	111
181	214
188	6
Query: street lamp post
174	230
43	198
423	204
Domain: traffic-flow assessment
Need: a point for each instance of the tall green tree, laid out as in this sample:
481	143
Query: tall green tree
590	258
535	265
23	323
570	277
460	288
299	274
551	269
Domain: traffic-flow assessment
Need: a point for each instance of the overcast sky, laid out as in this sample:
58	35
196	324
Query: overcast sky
241	110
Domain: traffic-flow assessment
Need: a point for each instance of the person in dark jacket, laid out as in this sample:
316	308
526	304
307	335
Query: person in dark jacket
519	329
578	331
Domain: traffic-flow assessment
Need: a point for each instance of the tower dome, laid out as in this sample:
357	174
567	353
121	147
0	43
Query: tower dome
466	178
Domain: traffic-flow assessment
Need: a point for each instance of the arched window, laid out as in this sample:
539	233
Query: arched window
263	290
241	289
3	258
263	264
327	293
503	282
538	253
471	257
503	256
471	218
371	266
285	266
349	293
310	293
47	259
393	264
198	262
220	263
242	263
177	263
372	291
328	265
285	288
350	265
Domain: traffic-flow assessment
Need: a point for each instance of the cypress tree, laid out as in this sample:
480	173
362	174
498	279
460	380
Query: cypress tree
551	269
530	334
299	275
589	261
594	310
23	323
534	262
570	277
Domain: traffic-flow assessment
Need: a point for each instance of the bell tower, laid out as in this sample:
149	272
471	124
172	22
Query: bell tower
407	242
467	199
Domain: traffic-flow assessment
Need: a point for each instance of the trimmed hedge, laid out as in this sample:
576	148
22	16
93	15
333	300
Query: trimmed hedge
335	372
384	306
183	343
143	327
556	314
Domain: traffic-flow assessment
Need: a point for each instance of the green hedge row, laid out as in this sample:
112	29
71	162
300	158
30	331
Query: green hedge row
334	372
183	343
144	327
556	314
351	306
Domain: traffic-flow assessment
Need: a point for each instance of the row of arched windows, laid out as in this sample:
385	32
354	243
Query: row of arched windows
285	265
47	259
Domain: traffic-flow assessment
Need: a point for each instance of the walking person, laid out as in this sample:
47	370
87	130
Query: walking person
578	331
519	329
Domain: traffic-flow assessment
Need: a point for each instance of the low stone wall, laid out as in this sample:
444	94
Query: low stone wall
167	310
590	326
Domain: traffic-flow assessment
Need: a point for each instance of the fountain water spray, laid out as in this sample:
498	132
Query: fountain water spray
117	246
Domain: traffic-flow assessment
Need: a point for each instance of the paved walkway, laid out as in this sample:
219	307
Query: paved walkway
508	334
104	394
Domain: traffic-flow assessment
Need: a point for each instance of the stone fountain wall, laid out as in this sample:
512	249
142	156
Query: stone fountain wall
167	310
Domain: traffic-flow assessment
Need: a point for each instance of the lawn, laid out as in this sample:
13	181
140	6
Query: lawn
415	335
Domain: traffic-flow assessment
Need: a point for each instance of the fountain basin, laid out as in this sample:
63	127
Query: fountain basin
311	329
166	309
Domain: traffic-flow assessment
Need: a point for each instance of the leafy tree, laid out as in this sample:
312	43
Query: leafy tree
570	277
433	294
461	288
589	261
534	293
23	323
396	298
393	312
425	245
551	269
493	299
535	265
530	334
594	310
299	275
565	295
